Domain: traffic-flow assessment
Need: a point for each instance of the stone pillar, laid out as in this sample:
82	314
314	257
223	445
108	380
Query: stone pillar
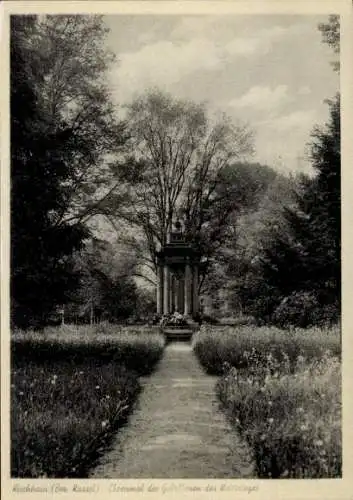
159	289
181	295
171	293
187	292
176	294
195	290
166	289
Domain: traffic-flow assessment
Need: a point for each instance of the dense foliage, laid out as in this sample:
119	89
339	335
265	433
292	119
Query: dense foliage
307	259
42	272
62	129
286	269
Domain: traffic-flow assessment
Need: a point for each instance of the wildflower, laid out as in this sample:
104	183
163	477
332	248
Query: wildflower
226	366
20	393
300	410
97	387
105	423
269	403
270	420
318	442
303	427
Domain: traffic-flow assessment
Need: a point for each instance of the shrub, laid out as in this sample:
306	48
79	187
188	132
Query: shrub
304	309
211	320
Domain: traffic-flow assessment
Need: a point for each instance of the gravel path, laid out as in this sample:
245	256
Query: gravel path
177	430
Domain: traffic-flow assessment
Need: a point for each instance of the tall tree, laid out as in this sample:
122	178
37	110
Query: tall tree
74	91
306	258
179	166
41	271
326	193
64	133
253	231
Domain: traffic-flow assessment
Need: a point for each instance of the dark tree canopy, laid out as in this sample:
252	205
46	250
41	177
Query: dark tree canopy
61	126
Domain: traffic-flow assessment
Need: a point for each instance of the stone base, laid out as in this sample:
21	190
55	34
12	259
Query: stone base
181	332
178	333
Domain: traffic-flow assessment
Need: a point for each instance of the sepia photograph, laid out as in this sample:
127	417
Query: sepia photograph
175	246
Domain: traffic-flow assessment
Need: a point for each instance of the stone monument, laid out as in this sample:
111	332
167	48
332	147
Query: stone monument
177	276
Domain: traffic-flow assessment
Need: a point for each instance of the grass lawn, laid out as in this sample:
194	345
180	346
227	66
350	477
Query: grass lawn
71	390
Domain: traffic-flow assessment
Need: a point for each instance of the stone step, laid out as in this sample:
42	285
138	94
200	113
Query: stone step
178	333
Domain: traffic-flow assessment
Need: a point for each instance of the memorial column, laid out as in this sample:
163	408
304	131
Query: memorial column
171	293
187	292
166	288
181	295
195	290
176	293
159	289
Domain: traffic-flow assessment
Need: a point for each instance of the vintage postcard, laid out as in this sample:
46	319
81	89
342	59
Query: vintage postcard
175	235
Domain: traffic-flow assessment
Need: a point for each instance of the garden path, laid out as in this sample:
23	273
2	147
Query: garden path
177	429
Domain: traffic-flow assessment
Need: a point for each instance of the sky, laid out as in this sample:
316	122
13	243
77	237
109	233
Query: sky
272	73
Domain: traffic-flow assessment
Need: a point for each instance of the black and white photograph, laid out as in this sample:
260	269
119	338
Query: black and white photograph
175	247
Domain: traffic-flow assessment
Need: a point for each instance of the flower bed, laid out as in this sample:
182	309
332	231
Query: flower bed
137	348
215	346
292	422
282	392
175	320
71	391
